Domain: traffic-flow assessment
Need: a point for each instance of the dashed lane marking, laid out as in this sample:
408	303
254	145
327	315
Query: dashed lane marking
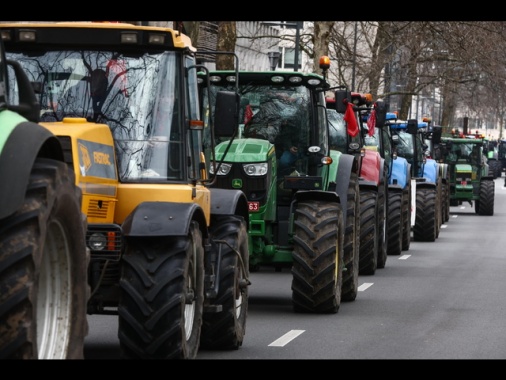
364	286
287	338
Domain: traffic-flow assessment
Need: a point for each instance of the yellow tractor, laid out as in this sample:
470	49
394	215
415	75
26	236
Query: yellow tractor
169	254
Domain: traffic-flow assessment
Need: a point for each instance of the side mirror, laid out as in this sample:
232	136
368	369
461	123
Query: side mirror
381	113
226	116
437	131
342	98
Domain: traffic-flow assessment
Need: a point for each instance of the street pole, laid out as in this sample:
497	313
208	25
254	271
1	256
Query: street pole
297	40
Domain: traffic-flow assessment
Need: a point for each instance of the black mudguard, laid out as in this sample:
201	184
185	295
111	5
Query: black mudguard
229	202
163	219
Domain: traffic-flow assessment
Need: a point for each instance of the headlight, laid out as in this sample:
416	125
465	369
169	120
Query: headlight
97	242
224	168
255	169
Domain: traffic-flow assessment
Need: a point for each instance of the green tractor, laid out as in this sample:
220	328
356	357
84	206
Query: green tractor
470	177
43	255
303	197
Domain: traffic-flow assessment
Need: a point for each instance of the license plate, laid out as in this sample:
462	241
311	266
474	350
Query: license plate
253	206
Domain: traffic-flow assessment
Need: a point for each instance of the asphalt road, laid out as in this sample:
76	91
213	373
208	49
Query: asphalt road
439	300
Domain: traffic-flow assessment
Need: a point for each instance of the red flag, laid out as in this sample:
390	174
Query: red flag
371	123
351	121
248	114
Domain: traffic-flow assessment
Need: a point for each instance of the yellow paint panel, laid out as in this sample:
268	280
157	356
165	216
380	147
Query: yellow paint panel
130	195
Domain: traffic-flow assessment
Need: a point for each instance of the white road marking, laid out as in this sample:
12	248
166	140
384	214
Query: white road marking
364	286
444	226
404	257
454	216
462	207
287	338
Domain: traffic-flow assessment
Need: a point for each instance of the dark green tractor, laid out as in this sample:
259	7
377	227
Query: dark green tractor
470	177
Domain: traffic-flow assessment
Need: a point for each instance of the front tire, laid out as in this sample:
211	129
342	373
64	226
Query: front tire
225	330
317	257
43	269
162	296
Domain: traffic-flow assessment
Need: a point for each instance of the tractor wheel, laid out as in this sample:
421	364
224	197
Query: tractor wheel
446	202
394	222
225	330
43	275
162	296
351	242
425	228
486	201
406	218
318	252
439	206
498	169
492	168
382	225
368	257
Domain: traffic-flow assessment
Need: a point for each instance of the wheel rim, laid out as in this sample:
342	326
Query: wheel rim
54	296
238	290
189	309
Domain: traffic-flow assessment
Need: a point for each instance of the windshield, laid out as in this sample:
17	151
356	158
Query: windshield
465	153
280	114
134	96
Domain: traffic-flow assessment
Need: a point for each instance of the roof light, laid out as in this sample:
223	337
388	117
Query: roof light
129	38
27	35
277	79
156	39
314	82
6	35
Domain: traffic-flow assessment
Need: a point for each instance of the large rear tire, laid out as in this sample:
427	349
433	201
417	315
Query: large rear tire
486	201
382	225
406	218
351	242
317	257
162	296
425	228
394	222
225	330
368	260
43	269
439	206
446	202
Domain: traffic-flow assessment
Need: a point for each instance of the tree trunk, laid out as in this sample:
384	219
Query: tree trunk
321	40
227	36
